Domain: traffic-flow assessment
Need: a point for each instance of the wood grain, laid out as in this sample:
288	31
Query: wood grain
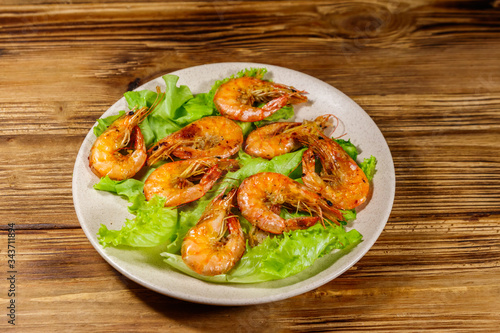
63	276
427	72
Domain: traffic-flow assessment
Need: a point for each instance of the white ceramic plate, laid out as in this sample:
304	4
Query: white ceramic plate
96	207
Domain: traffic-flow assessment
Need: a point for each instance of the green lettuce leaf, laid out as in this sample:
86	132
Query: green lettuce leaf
349	148
155	129
368	166
281	256
194	109
349	215
175	97
246	127
285	112
103	123
153	225
180	108
139	99
188	219
131	189
176	110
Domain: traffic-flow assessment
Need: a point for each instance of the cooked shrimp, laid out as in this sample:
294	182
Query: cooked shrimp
207	137
111	153
205	249
271	140
341	181
278	138
236	98
261	195
175	180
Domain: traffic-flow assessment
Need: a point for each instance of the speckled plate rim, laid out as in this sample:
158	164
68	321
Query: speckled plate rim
95	207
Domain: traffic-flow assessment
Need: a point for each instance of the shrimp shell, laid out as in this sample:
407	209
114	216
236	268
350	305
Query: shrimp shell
175	180
235	99
212	136
205	249
341	181
271	140
111	154
261	195
278	138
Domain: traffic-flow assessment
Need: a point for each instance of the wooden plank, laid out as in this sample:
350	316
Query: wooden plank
427	72
35	184
65	282
123	42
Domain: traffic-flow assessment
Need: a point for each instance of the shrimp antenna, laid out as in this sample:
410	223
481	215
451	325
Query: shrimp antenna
164	151
297	208
337	125
143	112
322	218
159	98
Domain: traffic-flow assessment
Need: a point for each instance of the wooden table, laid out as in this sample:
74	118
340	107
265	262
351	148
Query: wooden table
427	72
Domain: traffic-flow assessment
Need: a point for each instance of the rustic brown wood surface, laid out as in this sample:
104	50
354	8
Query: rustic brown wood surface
427	72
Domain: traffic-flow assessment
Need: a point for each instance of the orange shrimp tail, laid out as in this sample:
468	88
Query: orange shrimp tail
275	104
276	209
209	179
137	139
183	153
298	97
233	224
302	222
309	176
